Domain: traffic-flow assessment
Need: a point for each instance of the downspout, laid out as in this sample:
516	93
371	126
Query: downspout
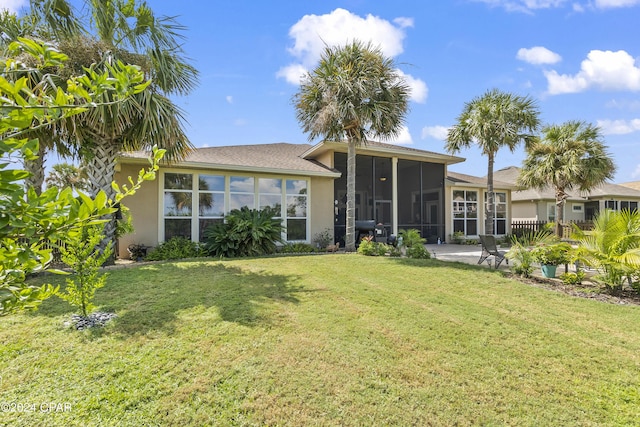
394	196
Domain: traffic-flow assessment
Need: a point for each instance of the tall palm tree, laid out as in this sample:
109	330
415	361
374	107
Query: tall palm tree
66	175
355	93
494	120
569	156
128	31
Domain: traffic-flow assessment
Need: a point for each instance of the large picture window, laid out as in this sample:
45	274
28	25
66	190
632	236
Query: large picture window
193	202
465	212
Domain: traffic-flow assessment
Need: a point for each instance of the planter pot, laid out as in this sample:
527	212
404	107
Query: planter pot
548	271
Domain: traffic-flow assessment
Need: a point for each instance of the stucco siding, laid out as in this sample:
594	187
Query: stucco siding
144	210
322	214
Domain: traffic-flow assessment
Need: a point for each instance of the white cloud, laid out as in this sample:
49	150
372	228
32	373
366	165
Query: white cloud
605	70
619	127
404	137
609	4
419	89
312	33
524	5
229	99
437	132
13	6
636	173
538	55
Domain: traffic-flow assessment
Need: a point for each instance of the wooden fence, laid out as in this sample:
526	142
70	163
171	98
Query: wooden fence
518	228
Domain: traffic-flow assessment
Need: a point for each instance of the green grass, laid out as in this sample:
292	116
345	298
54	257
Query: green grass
325	340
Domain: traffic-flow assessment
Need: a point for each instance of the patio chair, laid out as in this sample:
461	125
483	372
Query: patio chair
490	248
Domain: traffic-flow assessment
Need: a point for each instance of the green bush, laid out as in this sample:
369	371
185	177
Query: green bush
412	238
572	278
297	248
370	248
418	252
246	232
175	248
458	238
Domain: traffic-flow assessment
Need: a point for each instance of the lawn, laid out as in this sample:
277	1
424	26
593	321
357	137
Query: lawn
323	340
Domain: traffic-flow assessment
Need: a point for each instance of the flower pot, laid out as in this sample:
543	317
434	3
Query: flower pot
548	271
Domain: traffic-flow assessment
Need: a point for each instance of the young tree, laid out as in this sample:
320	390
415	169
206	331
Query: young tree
494	120
68	175
28	220
354	94
568	156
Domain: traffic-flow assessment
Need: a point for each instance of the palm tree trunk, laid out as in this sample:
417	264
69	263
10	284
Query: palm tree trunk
489	214
560	198
101	169
350	236
36	168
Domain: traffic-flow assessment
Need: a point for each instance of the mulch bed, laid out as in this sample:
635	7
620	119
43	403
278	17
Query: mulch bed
586	289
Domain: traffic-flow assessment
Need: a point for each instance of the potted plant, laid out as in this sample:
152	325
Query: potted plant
550	256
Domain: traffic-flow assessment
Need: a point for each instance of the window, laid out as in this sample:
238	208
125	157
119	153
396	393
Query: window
211	206
296	213
178	205
241	192
577	207
551	212
499	212
193	202
465	212
630	206
611	204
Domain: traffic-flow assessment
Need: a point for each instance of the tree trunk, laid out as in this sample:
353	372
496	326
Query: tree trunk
350	236
101	169
36	169
489	214
560	199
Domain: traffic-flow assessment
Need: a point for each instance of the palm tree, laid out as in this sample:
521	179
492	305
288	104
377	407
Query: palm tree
124	30
569	156
494	120
63	175
354	93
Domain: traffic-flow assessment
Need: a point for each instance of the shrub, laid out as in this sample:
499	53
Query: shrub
323	239
571	278
458	238
297	248
520	252
370	248
412	238
82	255
418	252
246	232
175	248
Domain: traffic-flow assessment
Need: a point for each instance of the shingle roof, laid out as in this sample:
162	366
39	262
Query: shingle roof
265	157
510	174
460	178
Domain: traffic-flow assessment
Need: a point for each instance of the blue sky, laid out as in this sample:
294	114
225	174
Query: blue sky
579	59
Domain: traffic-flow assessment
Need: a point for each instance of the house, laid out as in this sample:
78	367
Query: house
539	205
400	187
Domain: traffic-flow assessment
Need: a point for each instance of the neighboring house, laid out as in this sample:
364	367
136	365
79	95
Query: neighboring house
539	205
397	186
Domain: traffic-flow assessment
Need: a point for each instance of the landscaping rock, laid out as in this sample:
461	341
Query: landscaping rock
98	318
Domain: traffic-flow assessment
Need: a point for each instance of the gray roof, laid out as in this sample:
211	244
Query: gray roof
282	157
460	178
606	190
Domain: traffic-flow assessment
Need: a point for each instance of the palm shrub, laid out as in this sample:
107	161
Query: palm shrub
414	244
175	248
82	254
612	247
246	232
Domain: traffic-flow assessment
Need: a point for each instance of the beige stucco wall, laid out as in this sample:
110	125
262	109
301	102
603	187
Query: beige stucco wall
322	214
524	211
144	210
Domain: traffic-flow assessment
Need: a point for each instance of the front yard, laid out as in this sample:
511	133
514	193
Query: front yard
323	340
